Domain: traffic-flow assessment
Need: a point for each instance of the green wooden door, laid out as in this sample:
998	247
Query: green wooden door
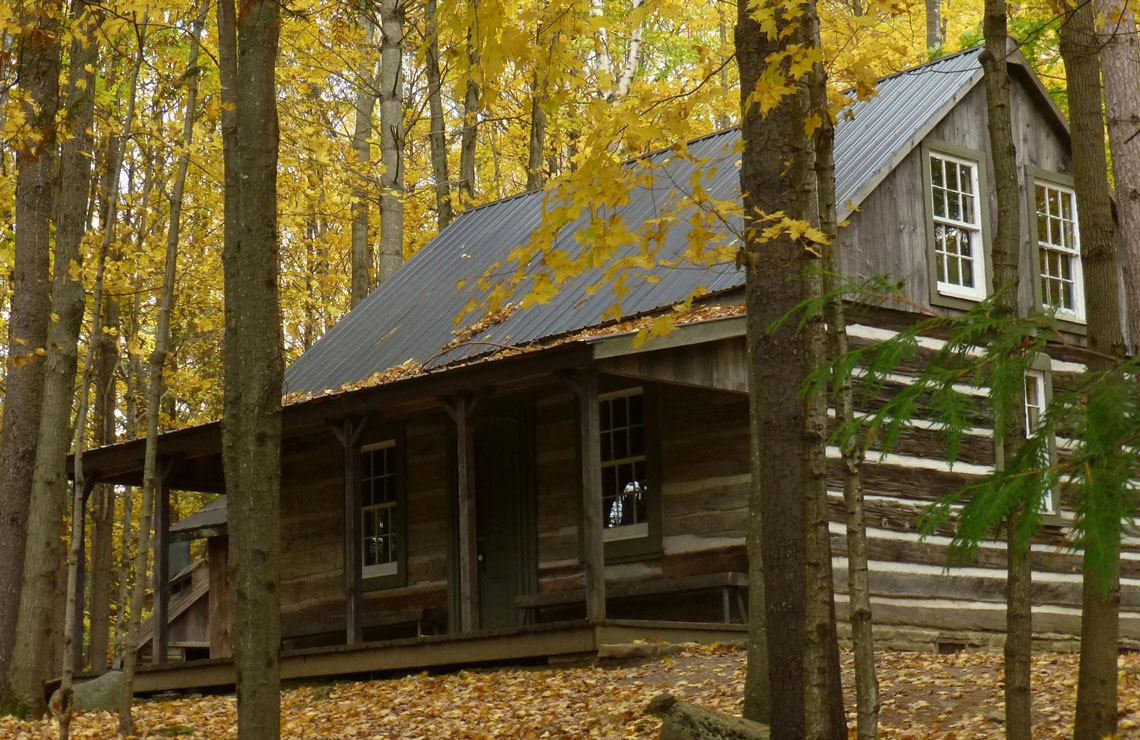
499	484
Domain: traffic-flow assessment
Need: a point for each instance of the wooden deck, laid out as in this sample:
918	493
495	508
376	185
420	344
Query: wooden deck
552	642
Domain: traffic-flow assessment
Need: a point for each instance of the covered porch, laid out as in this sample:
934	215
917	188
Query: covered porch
470	506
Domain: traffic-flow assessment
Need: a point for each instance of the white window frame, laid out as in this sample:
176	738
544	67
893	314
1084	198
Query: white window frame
1039	380
379	569
638	529
1073	251
974	229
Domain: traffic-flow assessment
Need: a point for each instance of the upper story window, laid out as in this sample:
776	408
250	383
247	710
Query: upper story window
379	509
1059	251
625	476
956	211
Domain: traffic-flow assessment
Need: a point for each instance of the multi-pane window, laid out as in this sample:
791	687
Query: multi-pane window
1035	403
1059	251
959	261
378	509
625	480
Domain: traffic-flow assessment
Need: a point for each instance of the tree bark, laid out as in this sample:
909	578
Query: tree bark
251	424
36	623
1120	63
469	135
38	68
438	135
391	137
1006	252
534	178
103	497
362	258
632	57
777	175
1097	677
867	702
934	25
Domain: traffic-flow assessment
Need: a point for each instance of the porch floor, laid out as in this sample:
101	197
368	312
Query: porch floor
550	642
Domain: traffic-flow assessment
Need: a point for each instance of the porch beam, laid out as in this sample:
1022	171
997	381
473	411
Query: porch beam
348	432
585	387
161	563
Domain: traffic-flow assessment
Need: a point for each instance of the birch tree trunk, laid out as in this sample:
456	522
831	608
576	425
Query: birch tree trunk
1096	716
438	134
251	425
391	137
38	60
1006	253
362	259
1120	63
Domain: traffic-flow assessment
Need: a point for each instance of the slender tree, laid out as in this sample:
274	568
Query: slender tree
1096	716
157	362
1120	62
472	95
391	137
367	80
1006	253
438	133
38	72
933	26
251	425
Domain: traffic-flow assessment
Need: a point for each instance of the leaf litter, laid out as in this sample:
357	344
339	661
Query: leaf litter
925	697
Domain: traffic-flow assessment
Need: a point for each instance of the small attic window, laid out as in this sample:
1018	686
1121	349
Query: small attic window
958	254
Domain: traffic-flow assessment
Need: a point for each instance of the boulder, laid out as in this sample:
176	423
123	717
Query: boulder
684	721
94	694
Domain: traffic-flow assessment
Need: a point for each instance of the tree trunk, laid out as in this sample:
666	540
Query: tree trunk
534	179
469	135
37	624
103	497
1006	252
867	702
934	25
632	57
1100	601
251	424
391	137
1120	62
49	488
438	134
777	174
362	146
38	64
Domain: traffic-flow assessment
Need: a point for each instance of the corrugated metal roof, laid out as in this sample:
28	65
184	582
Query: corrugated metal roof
411	316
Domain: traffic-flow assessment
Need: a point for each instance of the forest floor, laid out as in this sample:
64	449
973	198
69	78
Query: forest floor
925	696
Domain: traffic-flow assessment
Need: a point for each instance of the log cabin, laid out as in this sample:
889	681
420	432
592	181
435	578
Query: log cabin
542	485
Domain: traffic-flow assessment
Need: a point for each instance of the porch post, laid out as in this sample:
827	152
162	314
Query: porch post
220	597
161	565
468	545
349	435
593	546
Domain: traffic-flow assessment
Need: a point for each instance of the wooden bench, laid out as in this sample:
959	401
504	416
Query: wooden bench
732	587
425	621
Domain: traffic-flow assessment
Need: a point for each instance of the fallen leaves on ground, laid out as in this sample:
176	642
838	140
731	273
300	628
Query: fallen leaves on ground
925	697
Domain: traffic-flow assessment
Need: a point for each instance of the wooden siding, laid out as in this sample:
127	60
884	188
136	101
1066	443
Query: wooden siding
887	236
